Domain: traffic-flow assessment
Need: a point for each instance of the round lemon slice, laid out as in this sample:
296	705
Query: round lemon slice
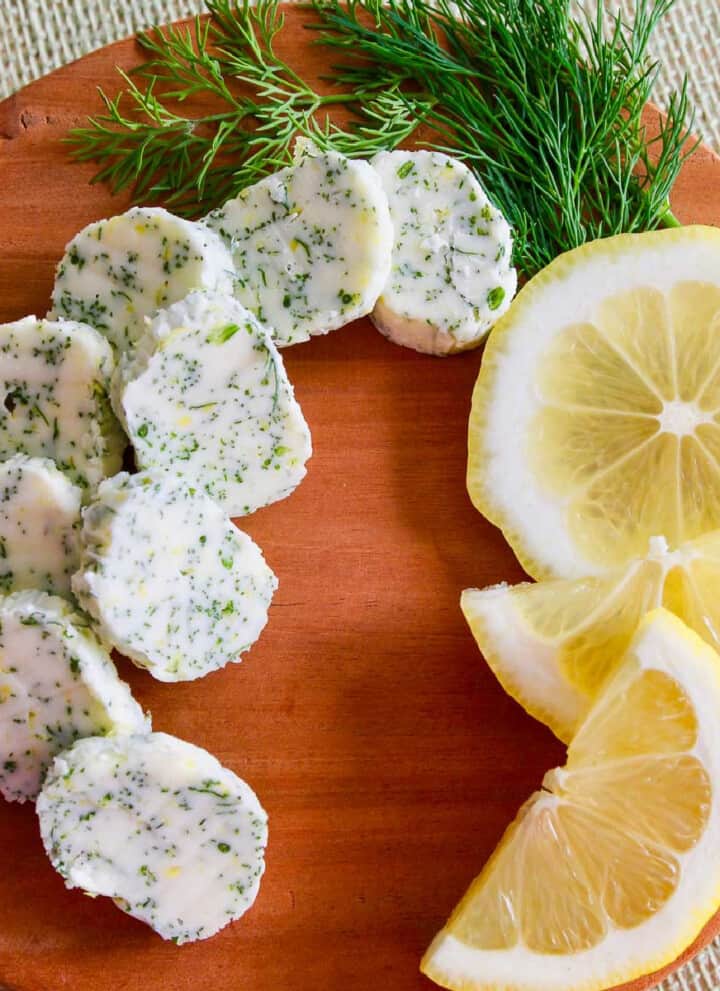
595	420
612	869
553	644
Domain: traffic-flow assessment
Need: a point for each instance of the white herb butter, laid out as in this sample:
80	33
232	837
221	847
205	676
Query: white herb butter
206	396
170	581
39	523
54	384
311	245
57	683
452	274
116	272
158	825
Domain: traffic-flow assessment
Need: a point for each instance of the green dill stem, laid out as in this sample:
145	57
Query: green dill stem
668	219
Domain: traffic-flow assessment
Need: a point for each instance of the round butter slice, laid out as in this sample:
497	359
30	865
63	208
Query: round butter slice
57	683
452	274
311	245
170	582
206	396
55	379
39	524
158	825
116	272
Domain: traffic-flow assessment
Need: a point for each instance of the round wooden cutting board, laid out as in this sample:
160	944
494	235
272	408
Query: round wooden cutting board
388	757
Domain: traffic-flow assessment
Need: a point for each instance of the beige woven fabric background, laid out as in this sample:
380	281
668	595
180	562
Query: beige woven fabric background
36	36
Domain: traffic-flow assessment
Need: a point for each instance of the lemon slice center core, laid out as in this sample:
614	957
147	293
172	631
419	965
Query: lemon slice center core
681	418
626	435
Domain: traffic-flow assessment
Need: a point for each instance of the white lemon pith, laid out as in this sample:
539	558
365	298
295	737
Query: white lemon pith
553	644
613	868
595	422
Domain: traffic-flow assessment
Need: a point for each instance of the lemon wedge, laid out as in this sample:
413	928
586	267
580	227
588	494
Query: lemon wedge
611	870
552	644
595	421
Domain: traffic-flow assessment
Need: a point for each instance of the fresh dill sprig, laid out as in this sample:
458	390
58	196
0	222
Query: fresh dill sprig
546	108
245	105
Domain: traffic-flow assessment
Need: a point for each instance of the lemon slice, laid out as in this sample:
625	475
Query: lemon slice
595	420
611	870
552	644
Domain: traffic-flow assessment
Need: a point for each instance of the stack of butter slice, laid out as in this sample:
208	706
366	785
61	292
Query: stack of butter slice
594	444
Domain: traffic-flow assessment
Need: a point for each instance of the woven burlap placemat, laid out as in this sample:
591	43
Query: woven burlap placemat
37	36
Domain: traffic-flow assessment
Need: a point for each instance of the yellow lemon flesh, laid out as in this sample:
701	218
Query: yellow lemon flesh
553	644
595	422
611	870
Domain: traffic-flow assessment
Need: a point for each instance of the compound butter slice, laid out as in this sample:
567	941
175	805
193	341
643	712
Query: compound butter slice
54	402
39	524
311	245
206	396
119	271
170	582
158	825
452	274
57	683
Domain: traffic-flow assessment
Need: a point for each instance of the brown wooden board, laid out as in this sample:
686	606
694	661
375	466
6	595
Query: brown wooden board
387	756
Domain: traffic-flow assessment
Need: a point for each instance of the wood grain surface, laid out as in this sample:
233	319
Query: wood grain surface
386	754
